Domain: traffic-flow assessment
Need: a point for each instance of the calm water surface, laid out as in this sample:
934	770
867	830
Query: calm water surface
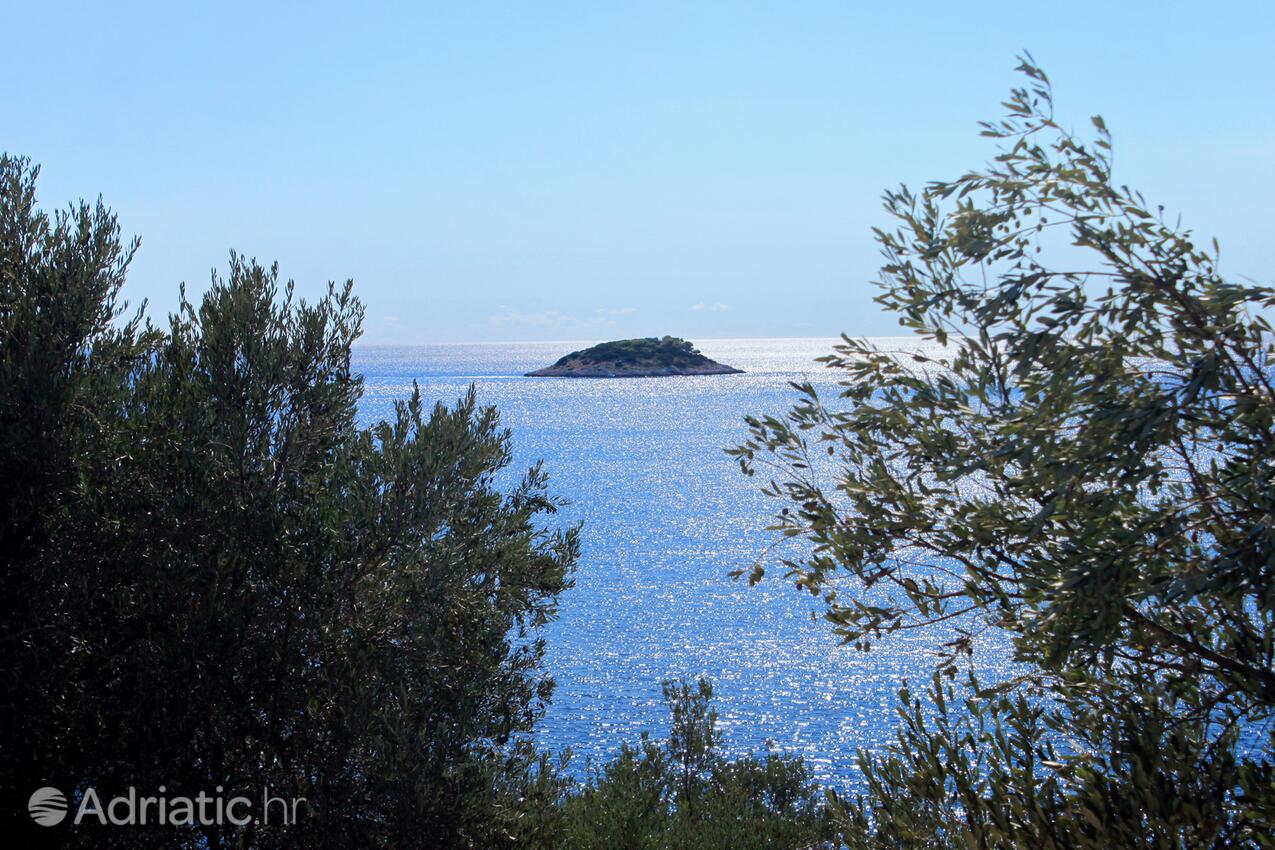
666	516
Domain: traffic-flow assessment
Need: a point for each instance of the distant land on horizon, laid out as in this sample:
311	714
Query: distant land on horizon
647	357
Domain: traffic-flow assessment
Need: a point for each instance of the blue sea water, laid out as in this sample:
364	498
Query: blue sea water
666	516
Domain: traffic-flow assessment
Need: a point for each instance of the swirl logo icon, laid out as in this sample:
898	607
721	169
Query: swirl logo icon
47	806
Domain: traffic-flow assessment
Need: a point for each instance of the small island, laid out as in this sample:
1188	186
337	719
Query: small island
635	358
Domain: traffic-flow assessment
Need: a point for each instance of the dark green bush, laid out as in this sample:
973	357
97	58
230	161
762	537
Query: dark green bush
215	577
683	792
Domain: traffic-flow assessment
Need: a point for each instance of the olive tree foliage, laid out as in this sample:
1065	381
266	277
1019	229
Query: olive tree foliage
683	793
216	577
1080	456
1094	767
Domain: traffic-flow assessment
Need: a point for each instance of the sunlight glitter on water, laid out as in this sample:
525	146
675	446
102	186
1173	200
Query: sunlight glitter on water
666	516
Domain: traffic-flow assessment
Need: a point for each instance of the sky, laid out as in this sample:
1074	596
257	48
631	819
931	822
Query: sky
579	171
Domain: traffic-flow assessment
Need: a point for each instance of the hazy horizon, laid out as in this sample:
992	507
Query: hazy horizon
587	340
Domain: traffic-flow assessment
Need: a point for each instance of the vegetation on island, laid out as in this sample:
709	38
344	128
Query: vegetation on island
645	357
644	351
216	577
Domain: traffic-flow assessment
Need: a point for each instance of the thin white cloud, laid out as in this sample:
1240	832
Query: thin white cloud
716	307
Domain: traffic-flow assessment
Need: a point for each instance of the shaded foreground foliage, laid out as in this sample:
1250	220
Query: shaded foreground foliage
215	577
1083	460
683	793
217	580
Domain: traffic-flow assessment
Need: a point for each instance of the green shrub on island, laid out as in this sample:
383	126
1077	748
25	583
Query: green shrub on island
646	351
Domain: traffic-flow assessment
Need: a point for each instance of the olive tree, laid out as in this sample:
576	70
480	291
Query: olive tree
217	578
1079	456
683	792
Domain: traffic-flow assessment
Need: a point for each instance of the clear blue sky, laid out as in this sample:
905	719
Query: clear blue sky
518	171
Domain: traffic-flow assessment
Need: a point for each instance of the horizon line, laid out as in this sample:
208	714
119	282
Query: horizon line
360	344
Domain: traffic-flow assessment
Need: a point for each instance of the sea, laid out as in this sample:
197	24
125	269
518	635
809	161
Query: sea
666	516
